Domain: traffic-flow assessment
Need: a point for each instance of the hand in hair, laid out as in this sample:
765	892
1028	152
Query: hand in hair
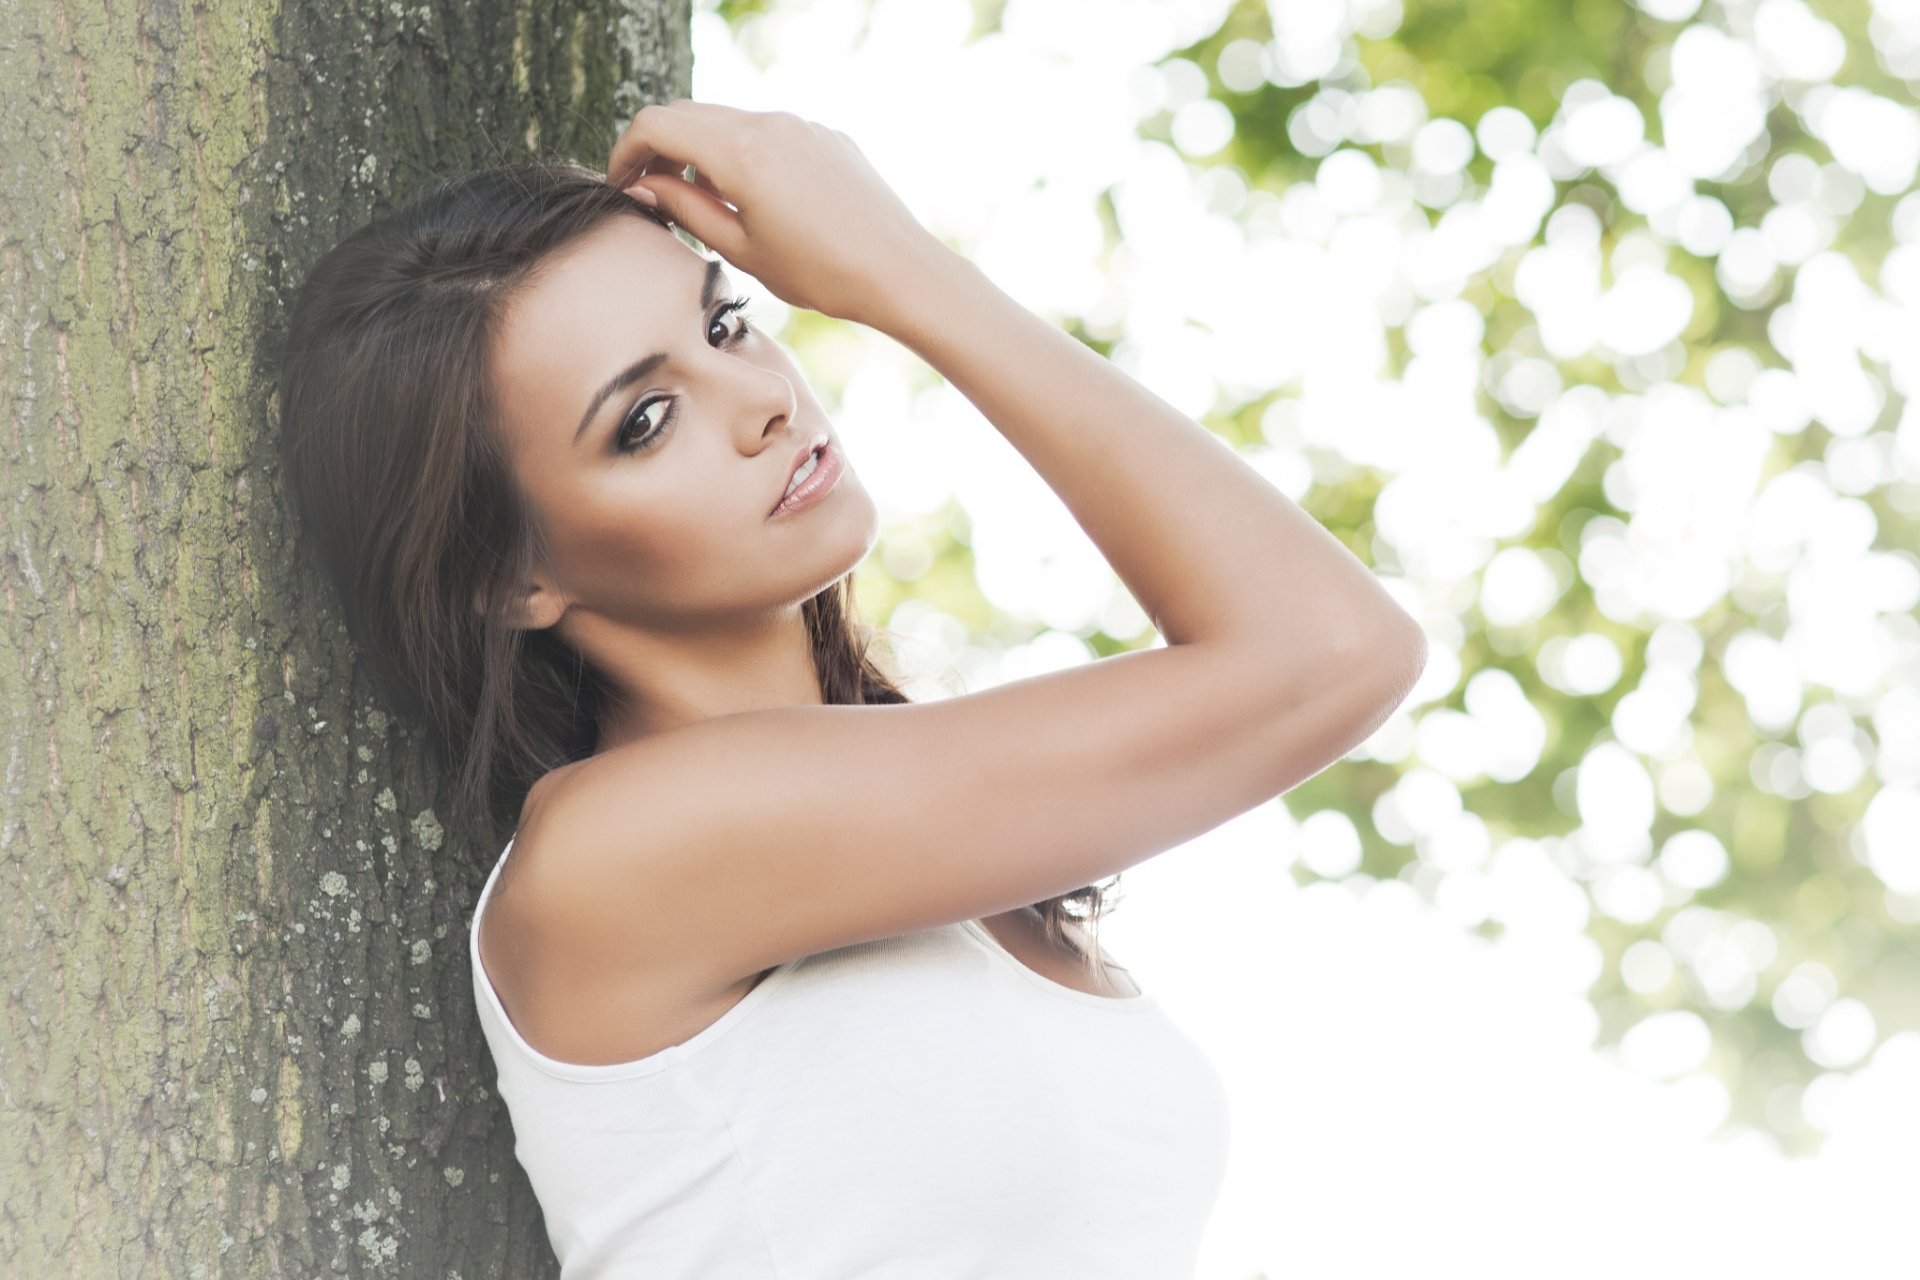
790	202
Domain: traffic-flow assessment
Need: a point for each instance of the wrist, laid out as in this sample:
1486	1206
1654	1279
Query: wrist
921	291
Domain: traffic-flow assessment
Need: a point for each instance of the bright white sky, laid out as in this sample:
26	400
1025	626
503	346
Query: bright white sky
1408	1098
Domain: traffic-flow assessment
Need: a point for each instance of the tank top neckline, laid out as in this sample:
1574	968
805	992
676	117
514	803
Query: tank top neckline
980	933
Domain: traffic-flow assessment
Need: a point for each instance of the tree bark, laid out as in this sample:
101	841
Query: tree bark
238	1034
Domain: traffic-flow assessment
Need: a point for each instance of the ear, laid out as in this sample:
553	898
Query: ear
538	607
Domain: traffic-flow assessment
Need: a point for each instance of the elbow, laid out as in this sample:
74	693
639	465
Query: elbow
1416	667
1408	644
1390	660
1329	708
1403	660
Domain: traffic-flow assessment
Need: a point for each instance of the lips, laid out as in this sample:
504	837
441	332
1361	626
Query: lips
812	445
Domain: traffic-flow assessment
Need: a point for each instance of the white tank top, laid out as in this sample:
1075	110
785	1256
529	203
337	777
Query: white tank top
919	1107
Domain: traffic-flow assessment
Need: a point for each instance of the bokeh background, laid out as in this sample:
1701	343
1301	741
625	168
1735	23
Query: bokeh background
1591	327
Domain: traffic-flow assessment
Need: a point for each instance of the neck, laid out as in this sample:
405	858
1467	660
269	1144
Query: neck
664	682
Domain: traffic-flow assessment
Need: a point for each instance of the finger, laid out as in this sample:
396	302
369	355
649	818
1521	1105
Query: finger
707	218
705	183
674	135
656	140
674	169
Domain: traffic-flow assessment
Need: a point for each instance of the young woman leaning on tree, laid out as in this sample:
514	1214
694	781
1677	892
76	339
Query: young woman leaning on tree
783	974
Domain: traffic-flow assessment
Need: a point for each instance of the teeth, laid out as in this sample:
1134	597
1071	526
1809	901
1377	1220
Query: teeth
806	469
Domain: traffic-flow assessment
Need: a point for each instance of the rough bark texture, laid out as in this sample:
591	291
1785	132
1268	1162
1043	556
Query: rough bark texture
238	1032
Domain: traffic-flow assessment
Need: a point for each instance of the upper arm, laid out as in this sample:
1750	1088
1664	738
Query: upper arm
737	843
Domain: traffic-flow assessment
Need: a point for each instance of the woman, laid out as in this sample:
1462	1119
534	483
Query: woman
776	967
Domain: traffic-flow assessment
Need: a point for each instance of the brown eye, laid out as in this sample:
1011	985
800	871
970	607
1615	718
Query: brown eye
740	334
627	441
632	437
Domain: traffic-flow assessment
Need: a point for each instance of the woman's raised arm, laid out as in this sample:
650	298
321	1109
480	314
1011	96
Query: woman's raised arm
1212	551
683	861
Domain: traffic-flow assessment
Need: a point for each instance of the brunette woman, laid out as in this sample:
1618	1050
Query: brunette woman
783	974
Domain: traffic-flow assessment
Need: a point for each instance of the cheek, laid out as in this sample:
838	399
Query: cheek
660	547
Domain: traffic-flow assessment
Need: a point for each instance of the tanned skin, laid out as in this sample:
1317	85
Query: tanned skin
729	821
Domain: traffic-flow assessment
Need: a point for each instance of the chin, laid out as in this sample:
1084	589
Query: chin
850	520
868	527
840	534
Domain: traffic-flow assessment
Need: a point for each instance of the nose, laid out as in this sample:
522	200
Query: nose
771	408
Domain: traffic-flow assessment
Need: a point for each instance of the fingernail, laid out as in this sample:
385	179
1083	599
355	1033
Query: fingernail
644	196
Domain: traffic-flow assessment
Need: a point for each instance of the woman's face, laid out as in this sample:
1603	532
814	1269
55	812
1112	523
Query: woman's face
657	502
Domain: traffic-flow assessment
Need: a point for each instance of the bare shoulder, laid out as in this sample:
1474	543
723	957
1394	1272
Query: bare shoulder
694	859
551	851
533	915
567	968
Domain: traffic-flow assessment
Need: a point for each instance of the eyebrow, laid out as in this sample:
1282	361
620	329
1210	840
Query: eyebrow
709	288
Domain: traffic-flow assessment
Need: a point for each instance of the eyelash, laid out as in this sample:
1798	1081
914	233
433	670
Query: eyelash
654	437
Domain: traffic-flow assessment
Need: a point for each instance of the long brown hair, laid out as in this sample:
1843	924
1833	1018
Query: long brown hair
392	455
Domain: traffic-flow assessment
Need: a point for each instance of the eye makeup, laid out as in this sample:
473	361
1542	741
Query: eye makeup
625	441
709	287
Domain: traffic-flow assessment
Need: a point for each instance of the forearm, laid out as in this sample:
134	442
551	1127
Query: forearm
1211	550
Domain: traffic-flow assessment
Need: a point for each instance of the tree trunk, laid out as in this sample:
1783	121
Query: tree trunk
238	1035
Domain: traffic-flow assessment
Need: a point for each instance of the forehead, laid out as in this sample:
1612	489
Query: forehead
611	296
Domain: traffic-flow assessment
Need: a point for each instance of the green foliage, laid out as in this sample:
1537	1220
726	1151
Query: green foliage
1797	895
734	11
1795	866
